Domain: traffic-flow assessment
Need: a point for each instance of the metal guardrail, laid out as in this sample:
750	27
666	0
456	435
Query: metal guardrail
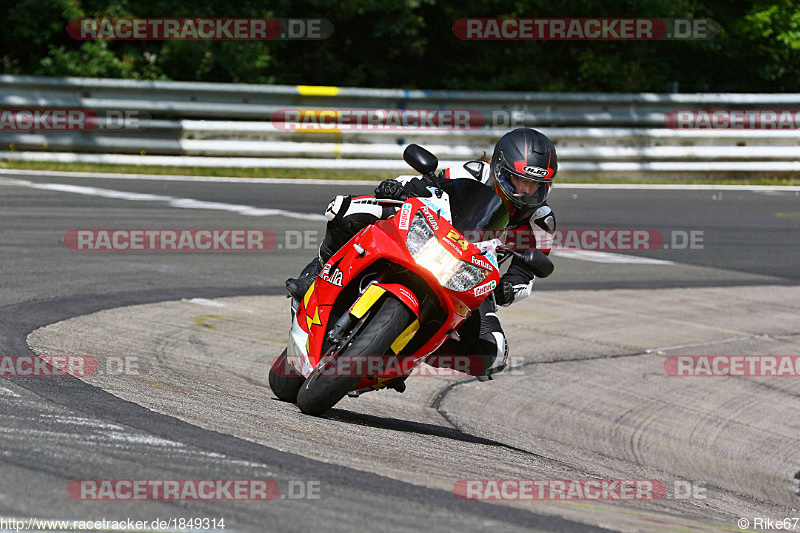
594	133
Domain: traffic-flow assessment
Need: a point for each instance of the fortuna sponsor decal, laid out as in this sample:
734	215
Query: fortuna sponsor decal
405	216
485	288
430	218
440	205
334	278
480	262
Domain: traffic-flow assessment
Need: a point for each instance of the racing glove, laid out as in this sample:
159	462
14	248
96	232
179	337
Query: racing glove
390	189
504	292
515	284
419	187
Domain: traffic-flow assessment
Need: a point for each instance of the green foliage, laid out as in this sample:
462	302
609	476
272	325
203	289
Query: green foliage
410	44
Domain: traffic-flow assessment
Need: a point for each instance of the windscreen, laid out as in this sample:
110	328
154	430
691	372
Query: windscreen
474	205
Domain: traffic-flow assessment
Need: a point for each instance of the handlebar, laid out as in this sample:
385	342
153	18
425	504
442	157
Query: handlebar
534	259
390	201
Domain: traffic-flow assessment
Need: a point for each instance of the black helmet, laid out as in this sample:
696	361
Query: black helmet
524	155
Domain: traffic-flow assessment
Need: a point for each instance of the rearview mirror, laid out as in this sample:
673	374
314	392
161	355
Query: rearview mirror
421	160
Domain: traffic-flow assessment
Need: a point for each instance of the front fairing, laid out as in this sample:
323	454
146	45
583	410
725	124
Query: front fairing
386	241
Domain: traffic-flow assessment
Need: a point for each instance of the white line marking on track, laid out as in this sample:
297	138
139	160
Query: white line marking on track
311	181
204	301
11	181
608	257
5	392
79	421
172	201
709	343
777	193
230	461
141	439
105	437
199	179
677	187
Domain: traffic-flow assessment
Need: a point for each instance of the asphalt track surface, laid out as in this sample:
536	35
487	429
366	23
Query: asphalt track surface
57	430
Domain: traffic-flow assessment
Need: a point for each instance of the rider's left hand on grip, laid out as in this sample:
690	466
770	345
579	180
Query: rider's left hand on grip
390	189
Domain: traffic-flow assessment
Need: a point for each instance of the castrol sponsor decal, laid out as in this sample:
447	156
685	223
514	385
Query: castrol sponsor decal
485	288
405	216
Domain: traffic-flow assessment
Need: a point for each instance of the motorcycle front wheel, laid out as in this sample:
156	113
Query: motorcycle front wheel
323	388
284	380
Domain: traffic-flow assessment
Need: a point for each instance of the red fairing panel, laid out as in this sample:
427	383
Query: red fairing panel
385	240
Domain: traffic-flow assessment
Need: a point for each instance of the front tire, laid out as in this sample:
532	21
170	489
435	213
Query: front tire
320	392
284	380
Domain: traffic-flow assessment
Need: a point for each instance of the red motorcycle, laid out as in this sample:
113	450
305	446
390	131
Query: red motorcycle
395	293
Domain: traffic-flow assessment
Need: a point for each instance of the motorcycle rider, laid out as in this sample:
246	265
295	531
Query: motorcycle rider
521	171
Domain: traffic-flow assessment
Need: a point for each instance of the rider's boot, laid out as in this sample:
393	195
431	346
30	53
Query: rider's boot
346	217
298	287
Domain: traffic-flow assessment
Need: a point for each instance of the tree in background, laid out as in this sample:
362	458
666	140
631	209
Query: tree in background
410	44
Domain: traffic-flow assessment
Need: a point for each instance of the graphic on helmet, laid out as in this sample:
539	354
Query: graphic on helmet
524	166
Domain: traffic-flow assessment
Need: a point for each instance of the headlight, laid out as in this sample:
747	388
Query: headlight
427	251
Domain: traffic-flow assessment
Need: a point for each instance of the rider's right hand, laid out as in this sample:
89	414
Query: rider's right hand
504	293
390	189
515	284
419	187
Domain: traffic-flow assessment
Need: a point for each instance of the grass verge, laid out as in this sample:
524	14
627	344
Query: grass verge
366	175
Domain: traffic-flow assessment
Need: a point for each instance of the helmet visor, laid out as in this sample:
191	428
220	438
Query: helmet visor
522	191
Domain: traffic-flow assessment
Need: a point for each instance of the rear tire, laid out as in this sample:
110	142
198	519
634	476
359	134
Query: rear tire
321	392
284	380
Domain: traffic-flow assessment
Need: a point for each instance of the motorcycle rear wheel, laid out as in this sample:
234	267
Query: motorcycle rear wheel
320	392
